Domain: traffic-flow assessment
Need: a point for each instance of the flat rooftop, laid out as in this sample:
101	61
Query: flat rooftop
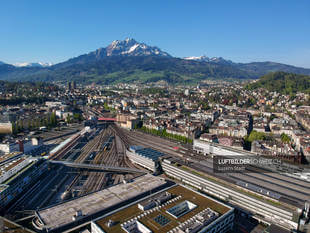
21	174
6	167
146	152
167	222
60	215
5	157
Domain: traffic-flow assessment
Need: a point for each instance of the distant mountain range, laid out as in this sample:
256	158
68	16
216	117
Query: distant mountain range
128	61
218	60
29	64
33	64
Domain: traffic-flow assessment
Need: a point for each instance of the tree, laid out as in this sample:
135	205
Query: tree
77	116
45	122
53	119
14	128
38	123
254	135
29	126
285	138
69	119
20	125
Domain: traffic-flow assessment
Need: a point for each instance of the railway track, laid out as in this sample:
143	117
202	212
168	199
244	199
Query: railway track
116	156
90	146
112	155
121	134
291	188
86	151
96	180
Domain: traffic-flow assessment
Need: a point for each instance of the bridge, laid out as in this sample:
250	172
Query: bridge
107	119
98	167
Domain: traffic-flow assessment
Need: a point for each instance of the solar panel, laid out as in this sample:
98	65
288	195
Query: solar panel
149	153
161	220
259	189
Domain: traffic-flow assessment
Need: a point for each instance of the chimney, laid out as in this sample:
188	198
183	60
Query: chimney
21	145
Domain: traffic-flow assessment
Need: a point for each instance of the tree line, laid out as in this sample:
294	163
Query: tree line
163	133
49	121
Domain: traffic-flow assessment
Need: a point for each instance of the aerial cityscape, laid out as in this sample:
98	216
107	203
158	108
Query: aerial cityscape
131	136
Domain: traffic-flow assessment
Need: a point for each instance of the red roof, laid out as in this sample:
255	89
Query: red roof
106	119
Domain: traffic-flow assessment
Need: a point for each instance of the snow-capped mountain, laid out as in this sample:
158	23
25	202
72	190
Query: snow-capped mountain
117	49
33	64
220	60
208	59
131	60
128	47
201	58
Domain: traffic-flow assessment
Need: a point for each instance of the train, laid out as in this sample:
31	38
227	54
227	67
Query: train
63	147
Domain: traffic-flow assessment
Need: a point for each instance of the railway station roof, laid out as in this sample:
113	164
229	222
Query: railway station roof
147	152
62	214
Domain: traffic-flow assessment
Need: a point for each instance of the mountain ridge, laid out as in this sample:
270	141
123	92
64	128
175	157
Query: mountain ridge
204	58
129	60
127	47
33	64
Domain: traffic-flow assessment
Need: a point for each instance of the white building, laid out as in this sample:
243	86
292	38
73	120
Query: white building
205	148
145	157
270	212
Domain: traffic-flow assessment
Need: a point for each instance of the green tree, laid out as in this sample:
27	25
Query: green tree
69	119
29	126
14	128
285	138
77	116
20	125
37	123
53	119
254	135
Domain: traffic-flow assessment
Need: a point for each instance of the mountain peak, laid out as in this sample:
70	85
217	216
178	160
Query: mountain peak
129	40
200	58
204	58
118	48
130	47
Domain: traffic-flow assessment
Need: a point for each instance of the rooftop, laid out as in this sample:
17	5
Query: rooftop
147	152
6	157
158	219
60	215
6	167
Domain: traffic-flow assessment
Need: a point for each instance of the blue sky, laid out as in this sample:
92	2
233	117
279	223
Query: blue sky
243	31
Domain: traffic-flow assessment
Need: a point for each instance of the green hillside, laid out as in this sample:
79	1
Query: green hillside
282	82
128	69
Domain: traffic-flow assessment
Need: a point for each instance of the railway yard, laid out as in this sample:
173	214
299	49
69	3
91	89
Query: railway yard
278	186
106	145
101	146
287	189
